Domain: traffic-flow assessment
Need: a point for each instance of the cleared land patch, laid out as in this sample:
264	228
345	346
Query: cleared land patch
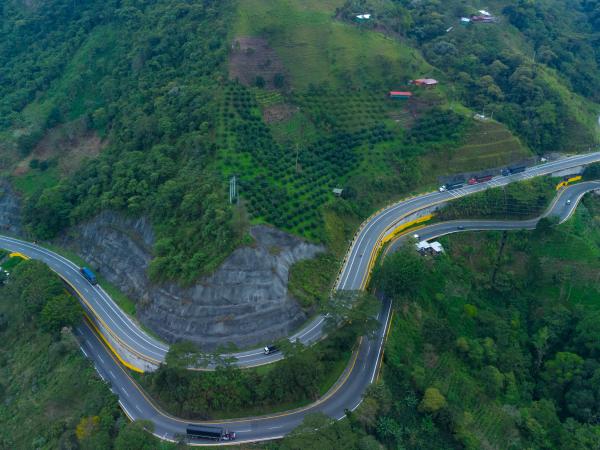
253	62
316	49
486	145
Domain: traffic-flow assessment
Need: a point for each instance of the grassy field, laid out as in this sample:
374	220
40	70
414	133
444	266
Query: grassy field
316	49
486	145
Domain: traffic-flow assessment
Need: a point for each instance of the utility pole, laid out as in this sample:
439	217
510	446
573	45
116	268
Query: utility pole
233	195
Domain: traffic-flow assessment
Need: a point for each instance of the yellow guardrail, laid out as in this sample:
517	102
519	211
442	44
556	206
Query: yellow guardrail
18	255
111	348
565	183
384	237
404	226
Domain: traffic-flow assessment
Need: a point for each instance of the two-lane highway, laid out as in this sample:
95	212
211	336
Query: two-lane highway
356	268
345	395
354	274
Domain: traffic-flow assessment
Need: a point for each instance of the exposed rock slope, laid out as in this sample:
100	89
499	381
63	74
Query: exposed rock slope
245	301
10	209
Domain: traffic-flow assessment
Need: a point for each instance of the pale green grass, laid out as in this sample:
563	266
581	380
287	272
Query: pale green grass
316	48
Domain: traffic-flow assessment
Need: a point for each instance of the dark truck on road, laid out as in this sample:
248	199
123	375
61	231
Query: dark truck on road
89	275
454	184
205	432
514	169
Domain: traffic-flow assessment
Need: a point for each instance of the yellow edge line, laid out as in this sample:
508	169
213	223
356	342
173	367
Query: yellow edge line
121	360
146	358
18	255
294	411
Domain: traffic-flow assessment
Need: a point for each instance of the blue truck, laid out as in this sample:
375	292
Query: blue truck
89	275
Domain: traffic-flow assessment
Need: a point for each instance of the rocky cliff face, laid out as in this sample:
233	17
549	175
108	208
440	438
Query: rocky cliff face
244	302
10	209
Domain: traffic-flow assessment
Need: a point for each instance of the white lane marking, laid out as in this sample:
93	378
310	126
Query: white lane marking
112	374
108	301
541	169
269	361
125	392
99	357
274	428
365	231
312	328
83	351
138	408
382	341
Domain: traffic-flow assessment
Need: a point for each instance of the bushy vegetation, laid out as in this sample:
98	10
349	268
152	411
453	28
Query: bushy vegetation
522	200
300	378
493	345
150	85
522	75
50	395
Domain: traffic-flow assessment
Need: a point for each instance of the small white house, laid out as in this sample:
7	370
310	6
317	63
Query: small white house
431	248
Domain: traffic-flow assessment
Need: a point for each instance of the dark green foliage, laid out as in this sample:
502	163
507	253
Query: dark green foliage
505	328
524	200
402	275
48	390
301	377
154	94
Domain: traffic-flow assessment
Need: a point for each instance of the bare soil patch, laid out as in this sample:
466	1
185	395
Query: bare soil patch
252	57
278	113
69	144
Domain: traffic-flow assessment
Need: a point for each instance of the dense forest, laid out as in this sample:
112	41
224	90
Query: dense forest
492	345
150	81
50	395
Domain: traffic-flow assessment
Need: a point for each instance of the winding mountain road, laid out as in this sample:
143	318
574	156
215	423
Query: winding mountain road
348	391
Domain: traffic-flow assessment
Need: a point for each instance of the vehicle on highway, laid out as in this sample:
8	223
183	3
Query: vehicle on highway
569	202
89	275
270	349
205	432
514	169
460	227
452	185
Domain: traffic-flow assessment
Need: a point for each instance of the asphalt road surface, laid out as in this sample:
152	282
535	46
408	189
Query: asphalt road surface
353	275
348	391
345	395
562	208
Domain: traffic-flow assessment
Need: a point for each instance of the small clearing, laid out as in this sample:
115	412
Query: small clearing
68	145
278	113
252	59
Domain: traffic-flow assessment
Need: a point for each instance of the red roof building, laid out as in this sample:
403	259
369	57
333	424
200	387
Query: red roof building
400	94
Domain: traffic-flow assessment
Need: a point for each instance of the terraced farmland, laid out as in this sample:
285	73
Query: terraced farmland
486	145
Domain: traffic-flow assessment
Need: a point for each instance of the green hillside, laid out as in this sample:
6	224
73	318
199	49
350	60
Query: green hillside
50	394
149	108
